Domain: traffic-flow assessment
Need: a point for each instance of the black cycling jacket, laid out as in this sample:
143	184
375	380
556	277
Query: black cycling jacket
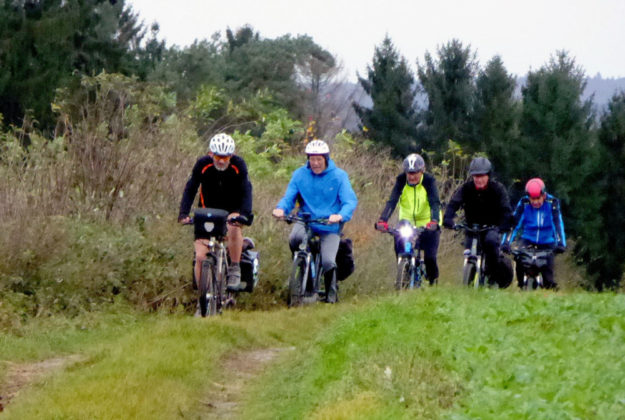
229	190
485	207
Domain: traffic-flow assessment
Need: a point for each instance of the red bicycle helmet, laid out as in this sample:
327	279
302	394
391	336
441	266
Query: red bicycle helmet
535	187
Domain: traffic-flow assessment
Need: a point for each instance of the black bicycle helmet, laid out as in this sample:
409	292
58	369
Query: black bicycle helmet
413	163
480	166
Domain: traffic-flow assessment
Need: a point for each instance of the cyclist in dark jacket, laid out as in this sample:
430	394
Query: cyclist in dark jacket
223	183
485	202
539	223
417	195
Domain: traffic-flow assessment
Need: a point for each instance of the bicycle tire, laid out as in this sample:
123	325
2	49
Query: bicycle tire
223	298
419	274
296	283
468	274
403	274
206	290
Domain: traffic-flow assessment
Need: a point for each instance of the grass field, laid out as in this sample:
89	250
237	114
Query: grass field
434	353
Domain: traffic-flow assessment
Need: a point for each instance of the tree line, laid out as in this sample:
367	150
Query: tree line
239	80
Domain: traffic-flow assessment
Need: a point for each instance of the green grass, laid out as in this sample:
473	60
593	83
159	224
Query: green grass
436	353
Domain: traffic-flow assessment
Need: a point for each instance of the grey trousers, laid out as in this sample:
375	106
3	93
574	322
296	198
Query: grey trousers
329	245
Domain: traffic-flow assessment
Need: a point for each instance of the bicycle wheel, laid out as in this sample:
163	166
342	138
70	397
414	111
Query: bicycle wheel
296	282
206	290
468	274
403	274
419	274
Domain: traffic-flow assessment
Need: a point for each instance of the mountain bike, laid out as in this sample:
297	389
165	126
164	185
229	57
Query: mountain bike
307	270
533	260
474	267
410	263
213	295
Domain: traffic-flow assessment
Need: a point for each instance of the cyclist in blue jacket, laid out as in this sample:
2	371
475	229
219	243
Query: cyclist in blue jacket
323	190
539	223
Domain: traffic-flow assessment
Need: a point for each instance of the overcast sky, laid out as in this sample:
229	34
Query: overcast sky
524	33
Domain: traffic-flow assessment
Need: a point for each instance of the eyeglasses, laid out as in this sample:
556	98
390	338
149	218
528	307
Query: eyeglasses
222	158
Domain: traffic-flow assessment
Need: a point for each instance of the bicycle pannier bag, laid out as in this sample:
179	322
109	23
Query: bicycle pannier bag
249	265
345	259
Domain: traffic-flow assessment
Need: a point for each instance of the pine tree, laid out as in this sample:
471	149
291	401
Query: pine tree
603	234
555	130
45	45
449	83
496	117
390	84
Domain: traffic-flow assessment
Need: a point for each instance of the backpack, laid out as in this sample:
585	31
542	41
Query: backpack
344	259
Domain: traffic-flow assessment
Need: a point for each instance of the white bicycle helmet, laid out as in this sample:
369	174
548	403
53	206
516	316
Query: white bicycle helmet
317	147
222	145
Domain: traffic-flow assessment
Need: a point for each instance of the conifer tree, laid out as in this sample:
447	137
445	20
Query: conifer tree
603	235
556	131
392	119
449	83
496	117
45	45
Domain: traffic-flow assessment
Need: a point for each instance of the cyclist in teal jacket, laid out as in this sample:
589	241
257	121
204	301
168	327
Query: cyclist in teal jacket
539	223
323	190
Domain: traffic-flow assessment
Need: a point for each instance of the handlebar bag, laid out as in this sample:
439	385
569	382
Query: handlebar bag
210	223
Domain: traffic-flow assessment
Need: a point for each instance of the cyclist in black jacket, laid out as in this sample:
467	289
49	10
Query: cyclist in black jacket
485	202
223	183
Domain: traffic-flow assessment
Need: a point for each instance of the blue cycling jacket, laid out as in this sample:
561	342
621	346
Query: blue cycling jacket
541	226
321	195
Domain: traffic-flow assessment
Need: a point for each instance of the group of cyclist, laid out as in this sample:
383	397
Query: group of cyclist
537	219
324	191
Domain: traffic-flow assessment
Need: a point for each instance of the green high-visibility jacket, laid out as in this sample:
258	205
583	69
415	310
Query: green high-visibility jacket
418	204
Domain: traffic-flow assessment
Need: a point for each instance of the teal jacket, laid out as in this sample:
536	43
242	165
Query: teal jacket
321	195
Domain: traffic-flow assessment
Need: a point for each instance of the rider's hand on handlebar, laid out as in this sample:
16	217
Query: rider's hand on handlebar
335	218
432	225
278	213
382	226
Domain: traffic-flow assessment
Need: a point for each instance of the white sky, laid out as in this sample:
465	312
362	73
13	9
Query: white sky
524	33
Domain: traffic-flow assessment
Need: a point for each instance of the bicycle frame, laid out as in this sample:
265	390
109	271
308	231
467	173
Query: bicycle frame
473	268
410	263
210	225
304	282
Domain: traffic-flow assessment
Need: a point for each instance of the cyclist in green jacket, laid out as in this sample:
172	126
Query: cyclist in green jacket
417	195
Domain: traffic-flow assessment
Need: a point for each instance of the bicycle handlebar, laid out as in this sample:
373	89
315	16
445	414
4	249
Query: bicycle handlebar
474	228
393	231
306	220
240	219
531	251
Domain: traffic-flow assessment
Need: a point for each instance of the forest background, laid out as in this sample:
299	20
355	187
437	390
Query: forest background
101	123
